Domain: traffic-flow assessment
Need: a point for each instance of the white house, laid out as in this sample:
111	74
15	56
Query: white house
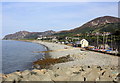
84	43
39	38
54	40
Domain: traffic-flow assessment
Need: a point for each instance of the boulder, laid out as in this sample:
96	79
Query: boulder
103	78
114	73
40	72
93	75
30	78
52	74
12	77
118	77
2	77
26	72
77	77
43	71
61	78
106	73
75	69
36	76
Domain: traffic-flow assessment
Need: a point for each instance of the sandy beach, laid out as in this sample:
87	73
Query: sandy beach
86	66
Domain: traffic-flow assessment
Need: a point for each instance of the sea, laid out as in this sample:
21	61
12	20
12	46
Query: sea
19	55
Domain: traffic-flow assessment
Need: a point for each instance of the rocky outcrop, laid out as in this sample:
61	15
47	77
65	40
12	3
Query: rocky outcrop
75	73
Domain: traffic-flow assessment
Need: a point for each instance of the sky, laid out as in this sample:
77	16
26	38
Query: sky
57	16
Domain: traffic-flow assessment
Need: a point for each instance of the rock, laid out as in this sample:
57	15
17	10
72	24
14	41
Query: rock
18	73
39	72
60	72
26	72
75	69
31	78
88	66
87	70
43	71
74	73
37	75
56	75
99	67
61	78
2	77
12	77
93	75
118	77
51	72
77	77
106	73
103	78
83	73
114	74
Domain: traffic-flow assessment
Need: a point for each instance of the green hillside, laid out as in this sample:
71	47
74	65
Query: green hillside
109	27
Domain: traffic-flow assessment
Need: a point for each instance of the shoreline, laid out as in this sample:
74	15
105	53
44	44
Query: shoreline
32	41
46	55
87	66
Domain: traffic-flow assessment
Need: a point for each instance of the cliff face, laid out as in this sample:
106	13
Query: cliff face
27	35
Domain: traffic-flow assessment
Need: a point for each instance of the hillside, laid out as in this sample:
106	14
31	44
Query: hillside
17	35
100	24
27	35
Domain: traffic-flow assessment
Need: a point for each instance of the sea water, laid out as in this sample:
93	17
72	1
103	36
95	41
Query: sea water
18	55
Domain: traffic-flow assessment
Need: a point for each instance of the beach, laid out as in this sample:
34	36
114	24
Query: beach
86	66
82	58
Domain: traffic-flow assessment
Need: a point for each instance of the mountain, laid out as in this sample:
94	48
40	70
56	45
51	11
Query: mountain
27	35
17	35
35	35
101	24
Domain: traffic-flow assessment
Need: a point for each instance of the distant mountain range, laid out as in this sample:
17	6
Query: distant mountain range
100	24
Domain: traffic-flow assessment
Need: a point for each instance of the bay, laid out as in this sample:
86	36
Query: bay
18	55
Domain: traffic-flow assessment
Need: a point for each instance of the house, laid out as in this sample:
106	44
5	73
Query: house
84	43
39	38
54	40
